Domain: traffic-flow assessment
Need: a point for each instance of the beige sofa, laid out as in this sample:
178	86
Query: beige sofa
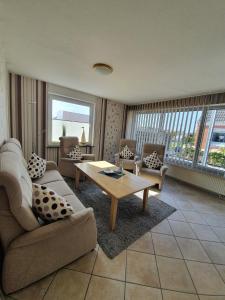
31	250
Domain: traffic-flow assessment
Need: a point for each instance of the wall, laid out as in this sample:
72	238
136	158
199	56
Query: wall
205	181
4	107
113	129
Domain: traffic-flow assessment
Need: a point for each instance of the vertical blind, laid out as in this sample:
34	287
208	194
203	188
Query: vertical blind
179	125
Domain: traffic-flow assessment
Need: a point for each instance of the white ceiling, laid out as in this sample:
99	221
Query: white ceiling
159	49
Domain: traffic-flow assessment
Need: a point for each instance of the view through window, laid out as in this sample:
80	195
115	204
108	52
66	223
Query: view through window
194	137
69	118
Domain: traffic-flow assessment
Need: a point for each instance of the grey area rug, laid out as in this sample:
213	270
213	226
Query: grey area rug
131	221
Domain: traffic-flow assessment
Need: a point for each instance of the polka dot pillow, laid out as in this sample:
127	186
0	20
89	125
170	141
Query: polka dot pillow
75	153
36	166
152	161
48	205
126	153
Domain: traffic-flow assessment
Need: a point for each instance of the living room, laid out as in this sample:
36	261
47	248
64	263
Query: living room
112	150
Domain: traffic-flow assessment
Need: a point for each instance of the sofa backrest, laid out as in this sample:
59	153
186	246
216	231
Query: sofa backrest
67	143
16	215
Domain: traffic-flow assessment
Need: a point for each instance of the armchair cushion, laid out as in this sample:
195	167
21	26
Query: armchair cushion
75	153
126	153
152	161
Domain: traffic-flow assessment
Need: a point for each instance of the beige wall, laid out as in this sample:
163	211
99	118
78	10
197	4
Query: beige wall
4	107
205	181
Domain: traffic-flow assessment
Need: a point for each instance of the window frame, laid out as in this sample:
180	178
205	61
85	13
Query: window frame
194	164
54	96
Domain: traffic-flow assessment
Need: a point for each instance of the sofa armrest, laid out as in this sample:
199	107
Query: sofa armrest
40	252
53	229
51	165
163	170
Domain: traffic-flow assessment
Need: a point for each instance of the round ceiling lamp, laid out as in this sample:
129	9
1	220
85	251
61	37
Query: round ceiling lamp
103	69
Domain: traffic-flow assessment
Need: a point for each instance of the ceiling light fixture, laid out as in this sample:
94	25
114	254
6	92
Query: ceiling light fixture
103	68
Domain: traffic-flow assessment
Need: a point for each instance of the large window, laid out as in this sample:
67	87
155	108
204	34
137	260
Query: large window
69	117
193	136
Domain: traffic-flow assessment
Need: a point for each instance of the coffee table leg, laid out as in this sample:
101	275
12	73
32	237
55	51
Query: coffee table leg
113	213
145	198
77	178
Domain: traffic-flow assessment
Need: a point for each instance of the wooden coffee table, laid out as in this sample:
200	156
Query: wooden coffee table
116	188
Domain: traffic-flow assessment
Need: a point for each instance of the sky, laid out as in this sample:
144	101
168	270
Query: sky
58	105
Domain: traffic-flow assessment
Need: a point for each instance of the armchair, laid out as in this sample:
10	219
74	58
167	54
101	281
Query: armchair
66	164
156	176
128	164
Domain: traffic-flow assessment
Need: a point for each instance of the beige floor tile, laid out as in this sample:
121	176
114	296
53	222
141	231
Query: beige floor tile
193	217
166	245
174	275
142	269
112	268
34	291
216	251
143	244
68	284
204	297
204	232
85	263
177	216
162	227
221	270
206	278
214	220
192	250
171	295
182	229
105	289
138	292
220	232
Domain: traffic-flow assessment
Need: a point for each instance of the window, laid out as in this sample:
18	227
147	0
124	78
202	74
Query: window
193	136
212	149
69	117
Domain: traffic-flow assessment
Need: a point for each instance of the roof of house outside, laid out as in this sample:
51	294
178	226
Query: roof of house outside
71	117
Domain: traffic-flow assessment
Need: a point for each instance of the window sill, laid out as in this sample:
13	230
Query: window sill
200	169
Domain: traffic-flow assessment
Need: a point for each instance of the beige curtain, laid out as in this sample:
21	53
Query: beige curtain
28	113
99	127
203	100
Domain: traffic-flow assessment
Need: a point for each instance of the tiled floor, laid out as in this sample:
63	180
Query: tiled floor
182	258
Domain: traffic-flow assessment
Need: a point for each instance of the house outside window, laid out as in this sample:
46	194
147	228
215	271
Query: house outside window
69	117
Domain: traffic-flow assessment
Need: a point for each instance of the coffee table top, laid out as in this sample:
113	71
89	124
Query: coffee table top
118	188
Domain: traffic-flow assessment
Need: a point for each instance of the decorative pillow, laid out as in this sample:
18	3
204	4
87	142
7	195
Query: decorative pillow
48	205
75	153
126	153
152	161
36	166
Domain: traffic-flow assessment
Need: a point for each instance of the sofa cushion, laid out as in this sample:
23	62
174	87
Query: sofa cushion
16	182
75	202
60	187
36	166
49	176
49	205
